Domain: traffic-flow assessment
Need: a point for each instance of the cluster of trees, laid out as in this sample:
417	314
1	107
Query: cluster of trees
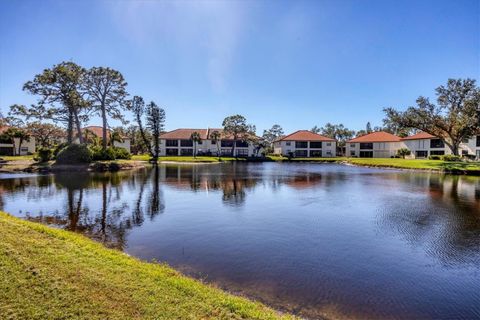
69	95
454	118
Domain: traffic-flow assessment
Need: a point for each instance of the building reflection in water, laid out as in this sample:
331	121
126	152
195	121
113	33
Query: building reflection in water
451	233
105	206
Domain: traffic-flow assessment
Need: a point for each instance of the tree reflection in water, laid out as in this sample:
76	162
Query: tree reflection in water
105	206
232	180
452	232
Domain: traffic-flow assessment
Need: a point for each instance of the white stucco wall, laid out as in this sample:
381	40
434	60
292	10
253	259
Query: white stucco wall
207	146
284	148
380	149
125	144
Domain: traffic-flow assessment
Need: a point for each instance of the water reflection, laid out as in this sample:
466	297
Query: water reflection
451	232
313	239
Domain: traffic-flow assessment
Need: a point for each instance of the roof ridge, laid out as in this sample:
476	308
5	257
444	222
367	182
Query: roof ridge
377	132
307	132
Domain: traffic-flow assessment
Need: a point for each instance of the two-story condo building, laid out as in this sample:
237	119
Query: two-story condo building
423	144
377	144
179	143
7	148
471	147
304	143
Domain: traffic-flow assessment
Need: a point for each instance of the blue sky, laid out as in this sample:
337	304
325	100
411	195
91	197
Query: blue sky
295	63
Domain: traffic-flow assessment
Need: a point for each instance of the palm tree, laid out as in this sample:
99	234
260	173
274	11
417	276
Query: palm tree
115	136
215	136
90	137
195	138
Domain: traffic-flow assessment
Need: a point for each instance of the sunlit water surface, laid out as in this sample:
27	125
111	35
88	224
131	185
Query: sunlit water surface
317	240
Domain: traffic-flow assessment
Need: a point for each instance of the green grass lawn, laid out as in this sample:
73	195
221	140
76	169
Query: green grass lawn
47	273
17	158
416	164
424	164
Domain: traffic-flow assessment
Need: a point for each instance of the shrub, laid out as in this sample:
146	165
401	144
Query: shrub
105	166
111	153
45	154
434	157
100	154
59	148
121	153
451	157
403	152
74	153
469	156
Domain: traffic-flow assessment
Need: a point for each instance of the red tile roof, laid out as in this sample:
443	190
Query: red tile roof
305	135
96	130
420	135
185	134
378	136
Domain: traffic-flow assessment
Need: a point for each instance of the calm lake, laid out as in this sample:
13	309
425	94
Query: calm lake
314	239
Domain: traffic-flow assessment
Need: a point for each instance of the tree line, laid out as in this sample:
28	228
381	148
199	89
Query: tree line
69	95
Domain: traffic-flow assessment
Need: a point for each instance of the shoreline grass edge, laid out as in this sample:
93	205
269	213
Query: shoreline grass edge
47	273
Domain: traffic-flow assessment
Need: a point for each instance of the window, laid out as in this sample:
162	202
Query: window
241	144
226	152
437	143
352	153
437	153
171	152
301	153
478	141
200	142
227	143
421	154
316	153
366	145
352	145
172	143
214	141
186	152
288	143
465	140
366	154
186	143
315	145
329	153
24	149
242	152
329	144
464	152
301	144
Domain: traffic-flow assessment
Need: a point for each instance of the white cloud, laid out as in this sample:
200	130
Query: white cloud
210	29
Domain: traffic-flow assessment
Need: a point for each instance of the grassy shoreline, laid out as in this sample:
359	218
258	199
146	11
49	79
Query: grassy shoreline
466	168
47	273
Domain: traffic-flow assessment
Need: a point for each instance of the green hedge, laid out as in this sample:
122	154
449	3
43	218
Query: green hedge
111	153
45	154
75	153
